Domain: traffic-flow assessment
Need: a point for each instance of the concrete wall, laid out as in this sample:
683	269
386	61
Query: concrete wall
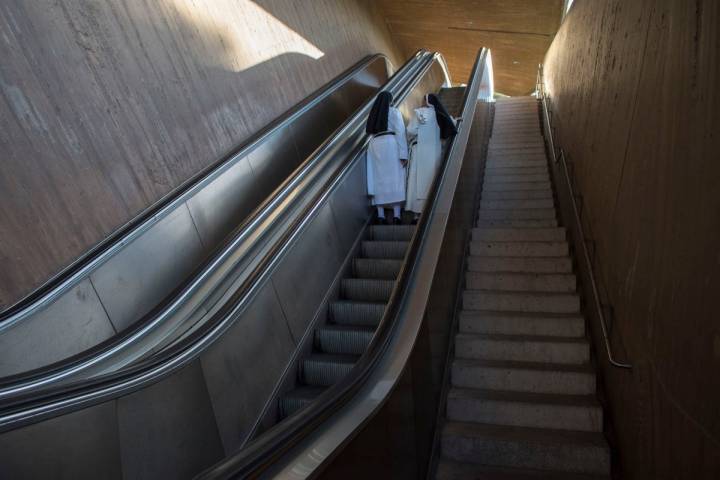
107	106
634	94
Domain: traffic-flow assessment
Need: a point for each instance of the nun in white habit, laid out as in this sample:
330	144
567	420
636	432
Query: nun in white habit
386	157
428	125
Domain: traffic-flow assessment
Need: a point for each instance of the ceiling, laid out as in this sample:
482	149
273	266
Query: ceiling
517	31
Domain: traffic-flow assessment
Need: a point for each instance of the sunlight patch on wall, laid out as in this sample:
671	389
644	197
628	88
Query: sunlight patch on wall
239	34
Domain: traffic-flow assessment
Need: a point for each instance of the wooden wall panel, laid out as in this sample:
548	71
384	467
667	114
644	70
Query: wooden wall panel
518	32
106	106
633	88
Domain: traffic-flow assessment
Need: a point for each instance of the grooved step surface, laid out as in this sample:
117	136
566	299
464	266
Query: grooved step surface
366	289
491	177
521	301
559	350
323	370
518	249
391	232
344	340
527	223
344	312
383	249
379	268
523	377
521	282
520	264
516	323
520	170
297	399
560	412
577	452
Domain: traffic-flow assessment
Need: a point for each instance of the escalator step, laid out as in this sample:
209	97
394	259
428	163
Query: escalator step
384	249
297	399
391	232
342	339
376	268
324	370
356	313
366	289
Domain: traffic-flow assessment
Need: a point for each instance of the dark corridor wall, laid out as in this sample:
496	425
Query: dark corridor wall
635	100
107	106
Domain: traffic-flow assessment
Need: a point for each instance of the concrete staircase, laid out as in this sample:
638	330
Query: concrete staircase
522	399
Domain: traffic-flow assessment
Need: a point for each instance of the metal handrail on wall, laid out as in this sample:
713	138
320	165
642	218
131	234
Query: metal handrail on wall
560	158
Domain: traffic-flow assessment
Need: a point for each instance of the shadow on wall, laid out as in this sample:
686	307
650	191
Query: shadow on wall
108	106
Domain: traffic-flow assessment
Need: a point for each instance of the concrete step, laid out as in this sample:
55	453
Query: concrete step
517	194
523	377
521	282
517	214
580	413
518	249
520	161
450	470
519	234
515	186
493	170
516	323
492	177
517	348
511	223
538	149
526	204
524	447
520	264
521	301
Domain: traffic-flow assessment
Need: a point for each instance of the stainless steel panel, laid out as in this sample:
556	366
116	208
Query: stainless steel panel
306	273
79	445
273	161
313	128
168	430
241	369
135	280
351	206
72	324
224	203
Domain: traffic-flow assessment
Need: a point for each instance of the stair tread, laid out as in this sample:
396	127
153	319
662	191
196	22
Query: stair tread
453	470
543	436
537	366
305	392
523	338
524	397
331	358
528	315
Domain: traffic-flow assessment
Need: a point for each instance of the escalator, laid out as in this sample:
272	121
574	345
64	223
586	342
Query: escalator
295	332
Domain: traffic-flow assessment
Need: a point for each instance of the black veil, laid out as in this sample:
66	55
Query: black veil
378	119
444	120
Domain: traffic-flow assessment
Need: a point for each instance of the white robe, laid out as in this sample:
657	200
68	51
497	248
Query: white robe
425	156
385	172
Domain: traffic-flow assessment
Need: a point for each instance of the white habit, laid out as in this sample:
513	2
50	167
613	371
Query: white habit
385	173
425	153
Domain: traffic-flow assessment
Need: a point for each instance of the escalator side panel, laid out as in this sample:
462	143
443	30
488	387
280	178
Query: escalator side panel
79	310
350	205
83	445
130	284
304	275
168	430
242	368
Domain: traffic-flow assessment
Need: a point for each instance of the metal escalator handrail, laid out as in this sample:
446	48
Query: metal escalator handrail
68	398
65	278
311	437
576	213
215	269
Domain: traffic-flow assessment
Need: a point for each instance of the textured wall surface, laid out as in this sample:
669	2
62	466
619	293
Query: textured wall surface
107	106
634	94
